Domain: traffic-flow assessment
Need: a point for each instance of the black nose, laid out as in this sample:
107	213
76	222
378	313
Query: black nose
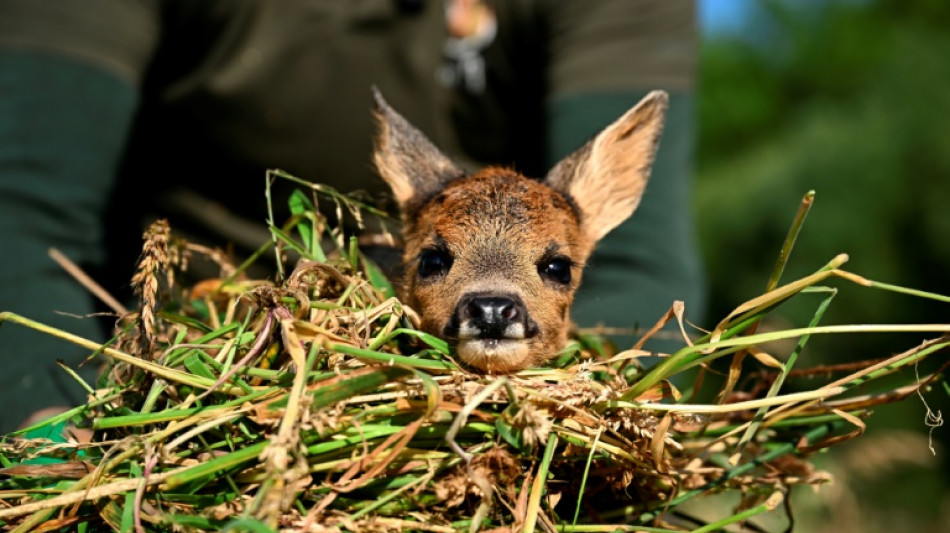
492	315
492	310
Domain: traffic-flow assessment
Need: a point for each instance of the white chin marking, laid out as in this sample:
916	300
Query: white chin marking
469	332
495	355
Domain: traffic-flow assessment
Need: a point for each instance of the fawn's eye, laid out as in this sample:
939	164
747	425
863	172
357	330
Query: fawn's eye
434	262
556	269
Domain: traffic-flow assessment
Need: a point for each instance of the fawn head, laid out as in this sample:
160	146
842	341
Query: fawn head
492	259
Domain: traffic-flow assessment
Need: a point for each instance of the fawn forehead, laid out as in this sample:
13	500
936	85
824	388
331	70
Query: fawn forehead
499	207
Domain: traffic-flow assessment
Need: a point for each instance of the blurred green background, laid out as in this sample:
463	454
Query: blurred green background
850	98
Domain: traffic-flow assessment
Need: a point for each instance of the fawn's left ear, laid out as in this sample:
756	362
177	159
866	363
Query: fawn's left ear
406	160
606	177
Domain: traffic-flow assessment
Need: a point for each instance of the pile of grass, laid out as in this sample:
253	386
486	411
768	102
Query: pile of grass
313	403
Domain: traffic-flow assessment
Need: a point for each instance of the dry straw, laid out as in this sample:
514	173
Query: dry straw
313	403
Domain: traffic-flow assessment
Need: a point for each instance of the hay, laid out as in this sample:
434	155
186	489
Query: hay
315	404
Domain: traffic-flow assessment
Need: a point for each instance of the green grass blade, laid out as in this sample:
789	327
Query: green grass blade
246	525
793	231
540	481
769	505
691	355
580	492
780	379
377	279
304	212
389	358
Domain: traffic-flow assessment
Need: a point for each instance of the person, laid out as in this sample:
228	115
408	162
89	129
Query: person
114	111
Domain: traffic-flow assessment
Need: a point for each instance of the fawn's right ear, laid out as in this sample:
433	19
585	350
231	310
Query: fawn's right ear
412	166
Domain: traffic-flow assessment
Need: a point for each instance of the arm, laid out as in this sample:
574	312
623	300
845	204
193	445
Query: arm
68	76
604	57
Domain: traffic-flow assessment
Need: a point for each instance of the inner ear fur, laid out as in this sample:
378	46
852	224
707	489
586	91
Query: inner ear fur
606	177
407	161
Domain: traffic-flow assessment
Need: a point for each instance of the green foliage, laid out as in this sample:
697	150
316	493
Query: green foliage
850	99
847	99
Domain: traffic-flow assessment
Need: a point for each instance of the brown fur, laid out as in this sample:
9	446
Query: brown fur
499	228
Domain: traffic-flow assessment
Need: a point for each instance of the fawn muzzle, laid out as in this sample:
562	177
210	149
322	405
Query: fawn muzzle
491	316
493	331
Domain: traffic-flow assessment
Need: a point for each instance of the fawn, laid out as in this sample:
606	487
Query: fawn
491	260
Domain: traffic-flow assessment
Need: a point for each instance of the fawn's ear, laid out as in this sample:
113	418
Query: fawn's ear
412	166
605	178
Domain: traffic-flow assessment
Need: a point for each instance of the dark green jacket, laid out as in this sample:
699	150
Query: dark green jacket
112	111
